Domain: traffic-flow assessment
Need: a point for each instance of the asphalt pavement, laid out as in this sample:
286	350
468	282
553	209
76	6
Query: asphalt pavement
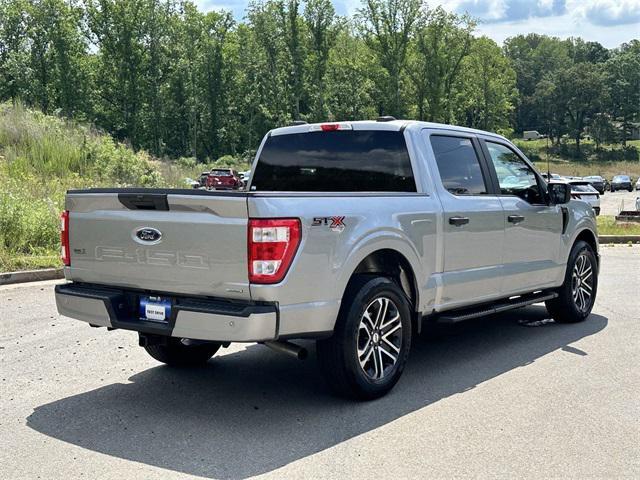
509	396
612	203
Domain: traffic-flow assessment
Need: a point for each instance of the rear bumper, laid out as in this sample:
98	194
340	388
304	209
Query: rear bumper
194	318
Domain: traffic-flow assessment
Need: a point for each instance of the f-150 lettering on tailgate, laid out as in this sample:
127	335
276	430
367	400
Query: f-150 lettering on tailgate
145	256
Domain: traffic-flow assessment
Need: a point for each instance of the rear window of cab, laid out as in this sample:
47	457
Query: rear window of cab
335	161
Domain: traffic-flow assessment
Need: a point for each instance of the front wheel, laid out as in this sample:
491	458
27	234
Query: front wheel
370	345
578	292
176	354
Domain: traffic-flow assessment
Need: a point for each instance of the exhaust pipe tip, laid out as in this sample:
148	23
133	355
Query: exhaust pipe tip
288	348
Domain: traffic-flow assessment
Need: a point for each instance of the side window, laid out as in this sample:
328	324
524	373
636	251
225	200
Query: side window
514	175
458	165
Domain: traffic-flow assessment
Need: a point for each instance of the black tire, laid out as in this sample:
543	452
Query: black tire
176	354
338	355
565	308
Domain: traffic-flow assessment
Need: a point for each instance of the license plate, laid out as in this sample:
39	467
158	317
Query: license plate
155	309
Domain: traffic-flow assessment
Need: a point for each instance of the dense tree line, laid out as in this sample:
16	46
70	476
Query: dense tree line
173	80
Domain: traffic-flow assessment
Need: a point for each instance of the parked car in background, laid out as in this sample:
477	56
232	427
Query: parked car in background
554	177
532	135
638	184
192	183
621	182
245	177
224	179
597	182
583	190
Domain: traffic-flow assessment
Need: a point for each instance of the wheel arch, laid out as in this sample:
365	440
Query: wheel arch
588	237
393	264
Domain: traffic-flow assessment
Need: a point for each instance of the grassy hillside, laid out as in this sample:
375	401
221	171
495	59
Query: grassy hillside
609	160
43	156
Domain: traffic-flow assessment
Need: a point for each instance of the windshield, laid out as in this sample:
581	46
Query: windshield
221	173
621	178
336	161
582	188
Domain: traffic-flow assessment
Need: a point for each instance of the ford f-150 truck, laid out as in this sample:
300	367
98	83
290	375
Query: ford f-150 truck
355	234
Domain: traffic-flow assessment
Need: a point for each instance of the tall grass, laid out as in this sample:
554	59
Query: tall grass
41	157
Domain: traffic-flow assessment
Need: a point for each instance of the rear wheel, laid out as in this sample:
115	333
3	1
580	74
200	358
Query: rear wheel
176	354
368	351
578	293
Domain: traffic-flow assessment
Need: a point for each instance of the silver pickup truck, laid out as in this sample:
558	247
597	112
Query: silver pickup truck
357	235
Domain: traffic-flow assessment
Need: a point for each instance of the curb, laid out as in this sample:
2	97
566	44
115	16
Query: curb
603	239
31	276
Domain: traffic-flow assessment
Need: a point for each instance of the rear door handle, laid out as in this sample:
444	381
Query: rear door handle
515	218
458	221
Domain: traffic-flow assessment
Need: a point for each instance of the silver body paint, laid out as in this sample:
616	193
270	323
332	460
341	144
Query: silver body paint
203	249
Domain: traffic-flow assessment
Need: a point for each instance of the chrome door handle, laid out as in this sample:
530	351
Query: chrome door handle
515	218
458	221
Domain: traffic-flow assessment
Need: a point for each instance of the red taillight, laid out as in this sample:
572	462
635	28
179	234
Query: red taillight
65	253
330	127
272	245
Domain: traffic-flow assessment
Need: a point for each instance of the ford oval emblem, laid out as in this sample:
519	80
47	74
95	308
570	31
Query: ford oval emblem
148	235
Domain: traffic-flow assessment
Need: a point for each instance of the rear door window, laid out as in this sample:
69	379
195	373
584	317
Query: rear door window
336	161
458	165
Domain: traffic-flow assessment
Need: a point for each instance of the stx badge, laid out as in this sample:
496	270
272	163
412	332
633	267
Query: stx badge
335	223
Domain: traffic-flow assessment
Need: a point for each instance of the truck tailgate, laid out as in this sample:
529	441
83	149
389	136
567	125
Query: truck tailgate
172	241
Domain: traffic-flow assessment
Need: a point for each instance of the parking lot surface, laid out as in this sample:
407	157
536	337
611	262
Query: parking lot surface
509	396
612	203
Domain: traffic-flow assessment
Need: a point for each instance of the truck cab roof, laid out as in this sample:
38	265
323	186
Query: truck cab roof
393	125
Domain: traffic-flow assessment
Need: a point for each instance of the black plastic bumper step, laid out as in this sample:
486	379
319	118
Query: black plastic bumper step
497	307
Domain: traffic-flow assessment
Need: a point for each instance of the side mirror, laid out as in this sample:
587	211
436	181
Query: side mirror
559	193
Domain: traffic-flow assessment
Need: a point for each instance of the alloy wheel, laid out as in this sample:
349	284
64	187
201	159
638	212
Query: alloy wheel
582	282
379	338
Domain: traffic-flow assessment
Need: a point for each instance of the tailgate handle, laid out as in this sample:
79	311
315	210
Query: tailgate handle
144	201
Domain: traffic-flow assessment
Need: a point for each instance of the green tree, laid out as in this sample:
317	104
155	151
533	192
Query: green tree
215	78
14	50
581	90
533	57
351	71
292	26
488	86
118	30
550	108
601	129
323	28
387	26
441	44
582	51
623	78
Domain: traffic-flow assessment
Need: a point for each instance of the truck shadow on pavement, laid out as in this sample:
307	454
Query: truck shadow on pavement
254	411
